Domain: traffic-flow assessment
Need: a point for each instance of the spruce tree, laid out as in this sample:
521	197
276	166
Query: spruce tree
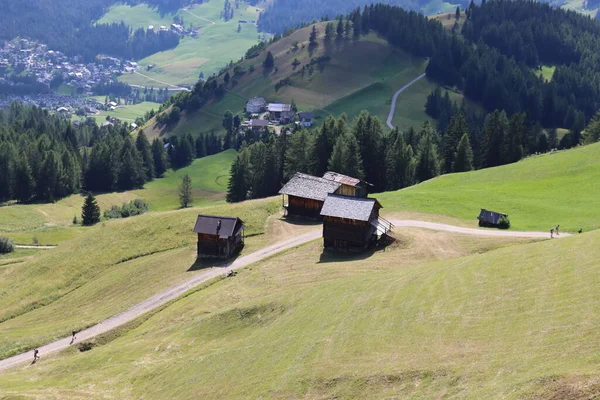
312	40
143	147
320	151
237	187
428	164
23	180
456	130
90	212
463	159
159	157
185	192
297	154
269	61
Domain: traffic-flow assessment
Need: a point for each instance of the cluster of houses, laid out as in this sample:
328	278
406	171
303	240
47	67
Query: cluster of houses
263	113
178	29
35	60
351	220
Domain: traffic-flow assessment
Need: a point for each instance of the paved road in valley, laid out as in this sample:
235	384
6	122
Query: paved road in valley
395	98
175	291
25	246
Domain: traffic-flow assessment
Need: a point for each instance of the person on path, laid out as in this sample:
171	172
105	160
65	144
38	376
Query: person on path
35	355
73	338
557	228
552	233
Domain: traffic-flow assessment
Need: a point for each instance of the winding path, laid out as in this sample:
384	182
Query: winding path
174	292
164	83
199	17
395	98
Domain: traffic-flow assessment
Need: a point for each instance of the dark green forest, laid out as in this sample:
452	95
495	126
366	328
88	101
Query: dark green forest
45	158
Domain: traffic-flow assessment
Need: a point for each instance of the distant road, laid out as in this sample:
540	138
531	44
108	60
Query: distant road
395	98
175	291
199	17
164	83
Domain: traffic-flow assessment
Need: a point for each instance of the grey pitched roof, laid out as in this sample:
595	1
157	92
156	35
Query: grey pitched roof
343	179
491	217
209	225
279	107
309	187
348	207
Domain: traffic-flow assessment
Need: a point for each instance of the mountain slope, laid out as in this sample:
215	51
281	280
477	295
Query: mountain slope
537	193
338	77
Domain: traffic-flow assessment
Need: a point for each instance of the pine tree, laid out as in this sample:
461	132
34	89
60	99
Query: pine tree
296	156
312	40
340	28
329	31
428	164
320	149
131	172
269	61
185	192
23	180
463	160
90	212
457	14
143	147
237	188
159	157
456	130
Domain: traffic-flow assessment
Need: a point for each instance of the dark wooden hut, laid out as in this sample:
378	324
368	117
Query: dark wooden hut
352	223
219	237
490	219
306	194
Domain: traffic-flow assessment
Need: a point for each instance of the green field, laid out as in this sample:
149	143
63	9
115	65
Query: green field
127	113
51	223
516	322
126	260
218	43
210	177
537	193
546	72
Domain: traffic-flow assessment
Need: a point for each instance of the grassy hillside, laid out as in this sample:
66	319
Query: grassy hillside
518	322
126	261
52	223
537	193
217	45
360	75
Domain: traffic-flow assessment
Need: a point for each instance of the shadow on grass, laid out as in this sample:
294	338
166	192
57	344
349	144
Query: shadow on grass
206	263
330	256
299	221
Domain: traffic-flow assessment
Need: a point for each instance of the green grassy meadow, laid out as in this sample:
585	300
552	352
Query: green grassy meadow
124	260
127	113
537	193
52	223
514	322
218	43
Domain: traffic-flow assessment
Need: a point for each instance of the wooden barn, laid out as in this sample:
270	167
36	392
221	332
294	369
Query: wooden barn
219	237
352	224
349	186
490	219
306	194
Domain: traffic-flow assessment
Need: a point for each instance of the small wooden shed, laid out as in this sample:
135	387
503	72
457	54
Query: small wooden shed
219	237
306	194
352	223
490	219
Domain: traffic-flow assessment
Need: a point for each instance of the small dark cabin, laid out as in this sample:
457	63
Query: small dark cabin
306	194
352	223
490	219
219	237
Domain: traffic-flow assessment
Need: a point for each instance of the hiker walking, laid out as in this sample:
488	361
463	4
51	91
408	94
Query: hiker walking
557	228
552	232
73	337
35	355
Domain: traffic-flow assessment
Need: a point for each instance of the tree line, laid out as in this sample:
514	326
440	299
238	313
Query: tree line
44	157
388	161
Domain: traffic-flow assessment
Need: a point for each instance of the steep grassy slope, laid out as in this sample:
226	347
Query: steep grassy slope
537	193
518	322
362	74
125	261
